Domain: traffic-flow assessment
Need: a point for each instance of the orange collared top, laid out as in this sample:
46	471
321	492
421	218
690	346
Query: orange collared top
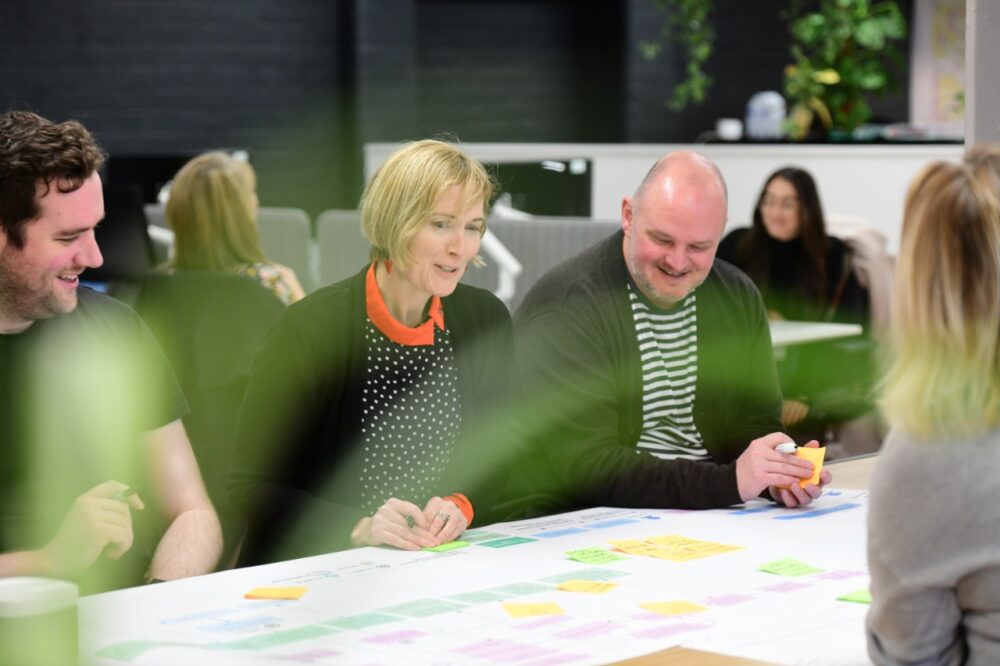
392	328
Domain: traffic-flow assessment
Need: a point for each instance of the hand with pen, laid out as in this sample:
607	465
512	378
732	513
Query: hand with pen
404	525
98	524
762	466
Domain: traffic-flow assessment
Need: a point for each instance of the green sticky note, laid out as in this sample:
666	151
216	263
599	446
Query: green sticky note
518	589
278	638
475	536
594	556
361	621
789	566
445	547
509	541
423	608
586	574
129	650
482	597
862	596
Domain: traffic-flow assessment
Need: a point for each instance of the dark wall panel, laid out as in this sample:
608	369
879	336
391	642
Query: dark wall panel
181	76
491	70
521	71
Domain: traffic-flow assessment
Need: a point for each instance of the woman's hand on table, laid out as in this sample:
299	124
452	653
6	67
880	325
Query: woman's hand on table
445	520
397	523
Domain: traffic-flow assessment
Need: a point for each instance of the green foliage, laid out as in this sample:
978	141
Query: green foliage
688	26
841	52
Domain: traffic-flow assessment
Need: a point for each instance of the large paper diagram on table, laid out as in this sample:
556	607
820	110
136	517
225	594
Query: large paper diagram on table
588	587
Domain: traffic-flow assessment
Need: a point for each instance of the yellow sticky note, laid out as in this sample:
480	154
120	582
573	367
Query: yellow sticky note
644	550
532	610
588	586
815	456
677	555
288	593
683	548
673	607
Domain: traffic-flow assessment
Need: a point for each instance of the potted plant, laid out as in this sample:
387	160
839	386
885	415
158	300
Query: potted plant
841	52
688	25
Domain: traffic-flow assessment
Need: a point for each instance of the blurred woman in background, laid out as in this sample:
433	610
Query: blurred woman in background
212	210
803	274
933	519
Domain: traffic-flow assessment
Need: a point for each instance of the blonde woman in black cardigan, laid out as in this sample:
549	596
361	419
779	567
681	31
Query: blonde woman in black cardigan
372	416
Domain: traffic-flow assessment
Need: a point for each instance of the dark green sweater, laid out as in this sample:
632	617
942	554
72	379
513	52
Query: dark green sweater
582	381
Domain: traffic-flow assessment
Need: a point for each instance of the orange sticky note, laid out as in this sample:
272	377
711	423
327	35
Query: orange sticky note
532	610
673	607
588	586
286	593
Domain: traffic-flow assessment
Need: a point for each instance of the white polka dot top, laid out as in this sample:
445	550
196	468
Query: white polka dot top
411	417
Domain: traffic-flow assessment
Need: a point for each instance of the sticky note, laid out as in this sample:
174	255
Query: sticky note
288	593
815	456
587	586
862	596
445	547
594	556
532	610
789	566
673	607
673	547
682	549
506	541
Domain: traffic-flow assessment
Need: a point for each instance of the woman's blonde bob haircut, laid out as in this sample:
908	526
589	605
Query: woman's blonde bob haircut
944	376
401	196
213	212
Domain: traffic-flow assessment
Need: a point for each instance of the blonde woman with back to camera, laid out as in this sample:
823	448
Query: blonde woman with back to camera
934	521
213	212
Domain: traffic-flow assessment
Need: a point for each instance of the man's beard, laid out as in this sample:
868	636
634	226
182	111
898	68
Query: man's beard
21	300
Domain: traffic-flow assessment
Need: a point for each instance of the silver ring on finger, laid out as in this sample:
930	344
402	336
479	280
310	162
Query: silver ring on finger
443	516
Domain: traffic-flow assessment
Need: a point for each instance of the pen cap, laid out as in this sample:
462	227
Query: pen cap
785	447
38	622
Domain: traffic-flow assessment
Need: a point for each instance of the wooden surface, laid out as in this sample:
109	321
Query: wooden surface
853	473
678	656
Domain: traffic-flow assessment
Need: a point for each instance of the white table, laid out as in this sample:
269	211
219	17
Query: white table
382	606
785	333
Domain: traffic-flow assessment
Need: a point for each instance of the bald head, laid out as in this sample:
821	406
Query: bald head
684	170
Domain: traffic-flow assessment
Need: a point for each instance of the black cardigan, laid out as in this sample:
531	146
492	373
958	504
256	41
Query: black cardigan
295	473
582	380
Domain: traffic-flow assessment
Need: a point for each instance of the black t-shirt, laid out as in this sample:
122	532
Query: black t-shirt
76	393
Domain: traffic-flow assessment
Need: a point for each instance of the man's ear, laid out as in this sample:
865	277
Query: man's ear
3	238
627	213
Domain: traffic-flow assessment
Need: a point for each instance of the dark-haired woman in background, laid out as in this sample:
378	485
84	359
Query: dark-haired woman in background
803	274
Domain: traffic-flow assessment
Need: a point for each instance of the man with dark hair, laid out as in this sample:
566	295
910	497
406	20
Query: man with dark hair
648	364
89	409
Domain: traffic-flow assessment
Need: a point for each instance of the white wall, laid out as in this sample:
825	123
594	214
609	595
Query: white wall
869	181
982	71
